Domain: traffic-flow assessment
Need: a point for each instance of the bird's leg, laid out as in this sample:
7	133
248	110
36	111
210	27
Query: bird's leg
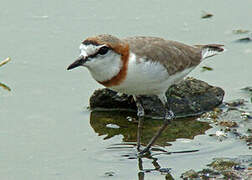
140	115
169	115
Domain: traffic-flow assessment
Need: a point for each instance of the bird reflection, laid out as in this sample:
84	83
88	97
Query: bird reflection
156	167
112	123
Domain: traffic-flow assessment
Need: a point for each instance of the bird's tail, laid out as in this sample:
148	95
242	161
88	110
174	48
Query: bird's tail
210	50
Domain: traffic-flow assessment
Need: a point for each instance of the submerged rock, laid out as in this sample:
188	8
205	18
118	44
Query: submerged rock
222	164
188	98
224	168
191	174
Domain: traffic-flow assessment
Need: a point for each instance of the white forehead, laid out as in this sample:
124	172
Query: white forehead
89	49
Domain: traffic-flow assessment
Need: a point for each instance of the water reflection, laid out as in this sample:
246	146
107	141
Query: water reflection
112	123
117	123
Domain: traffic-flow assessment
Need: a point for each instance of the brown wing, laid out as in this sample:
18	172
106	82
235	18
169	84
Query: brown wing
173	55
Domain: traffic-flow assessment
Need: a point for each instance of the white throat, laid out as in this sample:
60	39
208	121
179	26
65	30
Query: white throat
106	68
102	67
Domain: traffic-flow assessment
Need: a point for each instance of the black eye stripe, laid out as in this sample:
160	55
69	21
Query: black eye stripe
103	50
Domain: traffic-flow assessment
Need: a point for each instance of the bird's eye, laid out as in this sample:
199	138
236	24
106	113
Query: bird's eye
103	50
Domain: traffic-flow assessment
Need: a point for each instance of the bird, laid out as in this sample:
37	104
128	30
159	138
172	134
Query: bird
141	65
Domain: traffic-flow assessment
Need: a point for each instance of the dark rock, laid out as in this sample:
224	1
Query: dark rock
224	168
190	97
228	123
191	174
222	164
168	177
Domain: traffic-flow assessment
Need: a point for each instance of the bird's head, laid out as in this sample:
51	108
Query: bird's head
103	55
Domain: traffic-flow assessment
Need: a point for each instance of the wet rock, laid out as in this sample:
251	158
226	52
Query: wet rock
168	177
225	168
212	115
247	139
188	98
189	175
222	164
232	122
208	173
228	123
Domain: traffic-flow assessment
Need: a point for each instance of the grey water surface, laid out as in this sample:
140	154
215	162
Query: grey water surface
46	130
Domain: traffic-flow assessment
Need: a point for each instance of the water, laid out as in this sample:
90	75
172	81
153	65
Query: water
46	131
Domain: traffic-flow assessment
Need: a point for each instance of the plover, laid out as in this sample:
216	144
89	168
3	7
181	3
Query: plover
141	66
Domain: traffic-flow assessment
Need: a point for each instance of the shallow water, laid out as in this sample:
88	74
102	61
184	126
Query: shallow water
46	131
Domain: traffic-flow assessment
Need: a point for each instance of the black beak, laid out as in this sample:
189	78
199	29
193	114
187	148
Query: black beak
78	62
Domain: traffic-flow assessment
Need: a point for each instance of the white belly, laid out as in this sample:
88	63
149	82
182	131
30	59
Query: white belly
147	78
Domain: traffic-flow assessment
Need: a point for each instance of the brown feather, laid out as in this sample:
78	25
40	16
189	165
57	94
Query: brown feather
173	55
